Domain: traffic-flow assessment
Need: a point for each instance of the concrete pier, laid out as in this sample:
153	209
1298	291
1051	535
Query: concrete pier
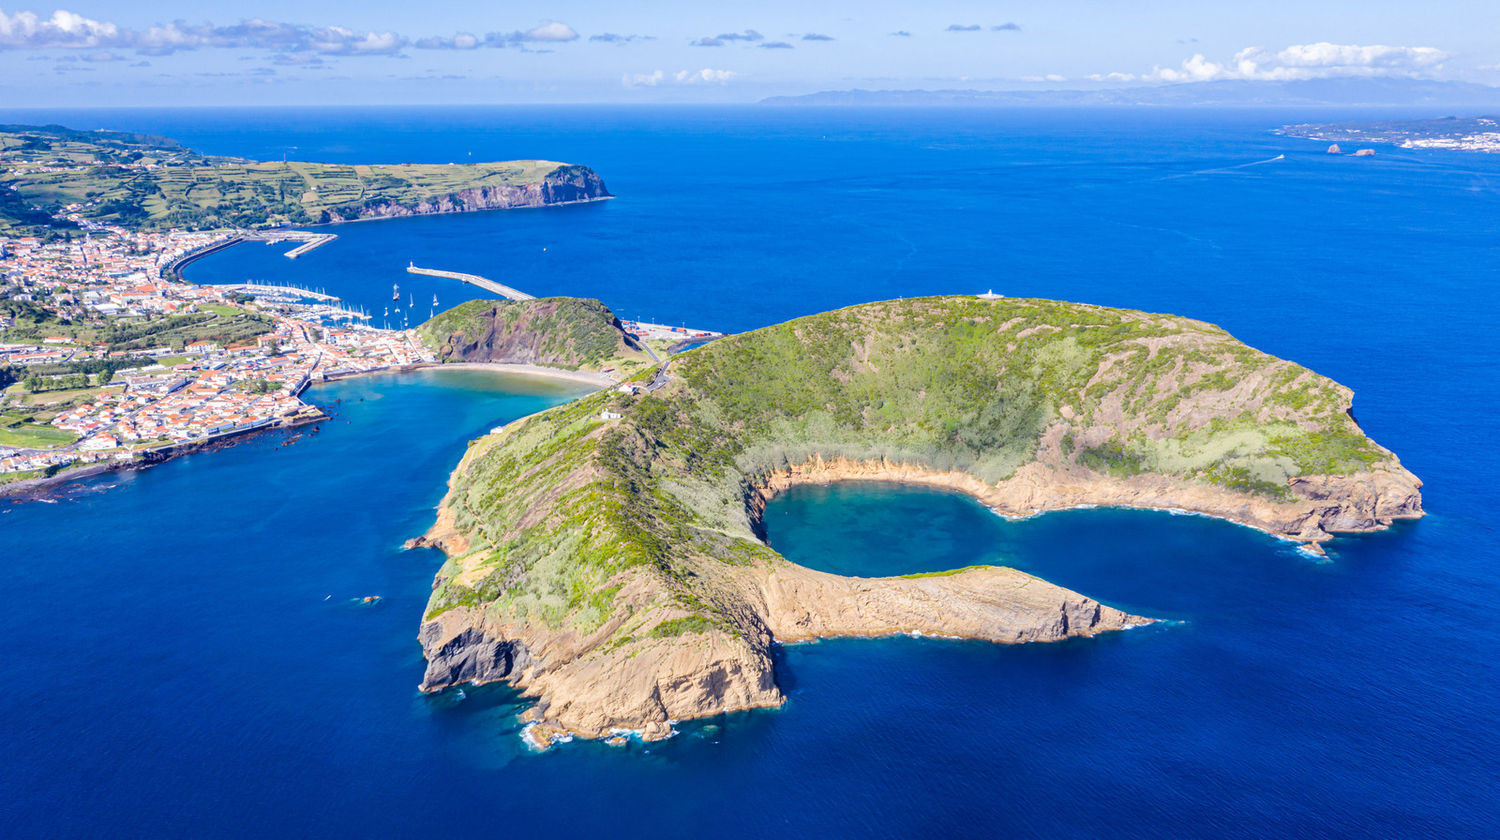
473	280
309	241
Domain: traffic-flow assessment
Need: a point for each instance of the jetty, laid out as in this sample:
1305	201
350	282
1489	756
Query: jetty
309	241
473	280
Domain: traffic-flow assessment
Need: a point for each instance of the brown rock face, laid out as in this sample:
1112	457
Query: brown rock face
594	690
587	687
1327	505
565	185
532	338
993	604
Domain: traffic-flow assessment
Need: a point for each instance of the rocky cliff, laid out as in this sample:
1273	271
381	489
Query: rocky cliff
613	569
567	184
653	662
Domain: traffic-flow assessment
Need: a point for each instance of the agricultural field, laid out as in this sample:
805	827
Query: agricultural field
18	405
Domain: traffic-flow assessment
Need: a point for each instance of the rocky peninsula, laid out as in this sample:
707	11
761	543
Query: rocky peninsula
607	558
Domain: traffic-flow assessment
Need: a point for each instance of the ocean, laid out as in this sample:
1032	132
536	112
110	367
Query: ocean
185	657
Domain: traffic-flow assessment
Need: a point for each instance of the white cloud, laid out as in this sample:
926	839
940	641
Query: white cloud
1195	69
704	76
1050	77
548	31
63	29
1111	77
616	38
461	41
551	30
1306	61
652	79
26	30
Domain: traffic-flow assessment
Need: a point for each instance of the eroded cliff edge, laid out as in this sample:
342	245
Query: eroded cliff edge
565	183
612	569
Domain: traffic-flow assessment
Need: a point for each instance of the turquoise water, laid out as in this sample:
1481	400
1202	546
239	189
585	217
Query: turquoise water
878	529
182	657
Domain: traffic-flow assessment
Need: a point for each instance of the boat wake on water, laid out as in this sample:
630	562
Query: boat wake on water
1221	170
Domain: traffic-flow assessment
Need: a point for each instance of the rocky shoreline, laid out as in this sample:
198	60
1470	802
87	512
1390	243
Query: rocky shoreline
581	694
1323	505
647	684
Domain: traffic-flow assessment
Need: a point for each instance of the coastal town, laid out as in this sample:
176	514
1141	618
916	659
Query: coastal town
116	361
1456	134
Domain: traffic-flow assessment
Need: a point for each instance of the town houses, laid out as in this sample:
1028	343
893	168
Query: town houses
171	396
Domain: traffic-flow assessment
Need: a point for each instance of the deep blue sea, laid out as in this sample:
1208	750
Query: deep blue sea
183	656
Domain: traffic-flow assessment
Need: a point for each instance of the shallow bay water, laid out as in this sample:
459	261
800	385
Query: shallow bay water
183	657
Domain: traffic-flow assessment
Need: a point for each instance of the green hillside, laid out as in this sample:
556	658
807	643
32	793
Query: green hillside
562	332
556	508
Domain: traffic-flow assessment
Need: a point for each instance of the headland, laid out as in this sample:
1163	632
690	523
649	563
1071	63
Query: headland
606	556
62	178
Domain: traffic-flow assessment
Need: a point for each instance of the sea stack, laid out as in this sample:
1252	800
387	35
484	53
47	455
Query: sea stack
1365	153
1335	150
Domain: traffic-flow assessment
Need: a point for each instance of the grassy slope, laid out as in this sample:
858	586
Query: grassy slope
558	505
191	190
34	436
565	332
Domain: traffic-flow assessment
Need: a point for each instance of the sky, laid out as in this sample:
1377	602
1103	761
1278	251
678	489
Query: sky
309	52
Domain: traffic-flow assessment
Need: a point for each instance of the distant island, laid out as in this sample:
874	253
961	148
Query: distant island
1467	134
607	557
58	177
1227	93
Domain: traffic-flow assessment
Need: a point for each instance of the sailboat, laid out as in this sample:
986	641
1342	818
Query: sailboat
434	300
409	302
395	291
